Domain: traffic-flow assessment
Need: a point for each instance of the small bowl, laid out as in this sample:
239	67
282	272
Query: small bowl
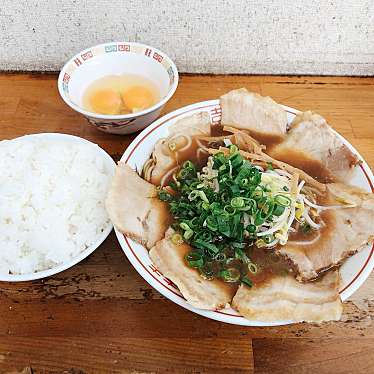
109	165
115	59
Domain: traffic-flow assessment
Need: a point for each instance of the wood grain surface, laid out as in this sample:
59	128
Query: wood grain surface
102	317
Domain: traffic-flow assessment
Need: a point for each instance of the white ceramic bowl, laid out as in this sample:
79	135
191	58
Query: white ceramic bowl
109	164
353	272
114	59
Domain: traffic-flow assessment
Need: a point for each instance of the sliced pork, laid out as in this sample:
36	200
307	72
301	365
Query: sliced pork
199	292
313	146
261	116
134	208
196	124
346	230
283	298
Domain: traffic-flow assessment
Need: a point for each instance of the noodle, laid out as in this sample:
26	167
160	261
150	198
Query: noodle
198	142
255	146
188	139
167	175
148	174
146	167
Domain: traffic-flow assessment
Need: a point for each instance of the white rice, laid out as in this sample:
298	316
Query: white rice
52	196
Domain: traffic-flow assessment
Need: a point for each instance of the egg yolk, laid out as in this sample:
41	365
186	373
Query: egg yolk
137	98
106	101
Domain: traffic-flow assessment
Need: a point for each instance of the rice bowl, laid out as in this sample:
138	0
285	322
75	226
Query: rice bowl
52	188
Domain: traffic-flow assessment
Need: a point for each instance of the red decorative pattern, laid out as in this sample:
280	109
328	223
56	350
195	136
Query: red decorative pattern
170	283
148	52
157	57
78	61
216	114
66	78
124	47
166	280
155	270
87	55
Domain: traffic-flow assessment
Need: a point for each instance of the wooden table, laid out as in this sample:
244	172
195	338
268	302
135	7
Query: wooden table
102	317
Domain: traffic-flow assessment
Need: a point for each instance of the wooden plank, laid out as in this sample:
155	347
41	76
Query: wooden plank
125	355
322	356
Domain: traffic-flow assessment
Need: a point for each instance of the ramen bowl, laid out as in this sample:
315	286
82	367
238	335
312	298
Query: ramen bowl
118	58
353	272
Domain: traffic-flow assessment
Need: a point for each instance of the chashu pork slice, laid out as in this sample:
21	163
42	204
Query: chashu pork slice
261	116
195	124
134	208
169	258
313	146
283	298
163	159
346	231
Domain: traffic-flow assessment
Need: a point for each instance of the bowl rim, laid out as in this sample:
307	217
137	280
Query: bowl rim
86	252
114	117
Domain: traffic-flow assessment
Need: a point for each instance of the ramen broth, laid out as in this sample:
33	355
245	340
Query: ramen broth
120	94
268	265
295	158
183	148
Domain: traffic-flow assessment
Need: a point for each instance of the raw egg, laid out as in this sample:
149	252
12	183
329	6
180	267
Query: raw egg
106	101
137	98
120	94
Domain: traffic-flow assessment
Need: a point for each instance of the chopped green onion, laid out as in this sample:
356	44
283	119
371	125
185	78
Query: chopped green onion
247	281
188	165
184	226
251	228
220	257
165	196
278	210
282	200
305	228
237	202
211	223
230	275
258	194
268	238
177	239
194	222
270	166
195	259
188	234
172	146
203	244
252	268
229	209
198	193
233	149
259	220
